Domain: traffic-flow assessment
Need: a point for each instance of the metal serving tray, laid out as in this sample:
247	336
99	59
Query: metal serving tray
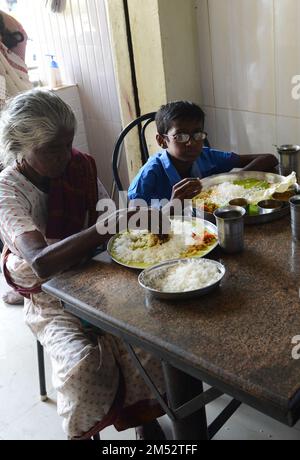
259	218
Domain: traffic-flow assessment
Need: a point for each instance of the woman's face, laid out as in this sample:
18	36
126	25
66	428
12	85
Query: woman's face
51	159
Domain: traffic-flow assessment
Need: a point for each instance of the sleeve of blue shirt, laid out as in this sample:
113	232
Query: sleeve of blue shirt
143	186
224	161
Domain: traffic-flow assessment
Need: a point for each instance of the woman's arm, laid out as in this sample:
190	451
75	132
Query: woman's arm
47	261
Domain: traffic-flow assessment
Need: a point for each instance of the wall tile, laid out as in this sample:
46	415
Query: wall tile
205	56
210	124
287	22
288	130
242	35
245	132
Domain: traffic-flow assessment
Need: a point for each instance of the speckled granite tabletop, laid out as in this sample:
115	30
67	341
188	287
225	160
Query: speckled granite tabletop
239	336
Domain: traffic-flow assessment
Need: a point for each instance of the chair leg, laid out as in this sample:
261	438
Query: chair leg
41	365
96	437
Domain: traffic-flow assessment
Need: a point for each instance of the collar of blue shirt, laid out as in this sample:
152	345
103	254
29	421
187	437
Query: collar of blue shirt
172	172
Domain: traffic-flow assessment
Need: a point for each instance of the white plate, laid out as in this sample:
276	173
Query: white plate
140	266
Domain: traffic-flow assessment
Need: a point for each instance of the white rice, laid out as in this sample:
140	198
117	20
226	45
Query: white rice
189	276
221	194
181	237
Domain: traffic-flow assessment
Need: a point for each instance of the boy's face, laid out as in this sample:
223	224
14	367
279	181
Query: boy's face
184	151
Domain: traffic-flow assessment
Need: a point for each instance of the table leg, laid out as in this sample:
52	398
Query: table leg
181	388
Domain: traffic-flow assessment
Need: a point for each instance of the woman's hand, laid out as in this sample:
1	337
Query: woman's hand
186	189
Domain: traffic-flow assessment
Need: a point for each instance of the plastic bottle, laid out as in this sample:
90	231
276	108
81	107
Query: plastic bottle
54	73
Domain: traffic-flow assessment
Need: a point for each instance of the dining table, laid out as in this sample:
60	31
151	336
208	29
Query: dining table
241	340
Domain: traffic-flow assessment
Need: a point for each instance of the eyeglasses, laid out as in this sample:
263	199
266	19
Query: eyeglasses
183	138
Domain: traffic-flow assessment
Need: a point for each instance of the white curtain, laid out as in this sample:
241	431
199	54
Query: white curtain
56	6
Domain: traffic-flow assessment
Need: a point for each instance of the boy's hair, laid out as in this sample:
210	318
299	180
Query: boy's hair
177	110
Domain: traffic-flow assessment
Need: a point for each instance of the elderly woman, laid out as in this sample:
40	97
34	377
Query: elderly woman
48	196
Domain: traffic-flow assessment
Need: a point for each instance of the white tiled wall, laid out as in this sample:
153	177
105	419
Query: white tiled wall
80	41
70	94
249	52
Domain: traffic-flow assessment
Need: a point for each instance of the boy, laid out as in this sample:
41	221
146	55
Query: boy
175	172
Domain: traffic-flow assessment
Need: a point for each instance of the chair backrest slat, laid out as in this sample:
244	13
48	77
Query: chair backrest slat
116	157
144	141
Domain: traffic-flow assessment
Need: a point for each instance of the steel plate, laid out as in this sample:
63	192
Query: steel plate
209	226
157	270
217	179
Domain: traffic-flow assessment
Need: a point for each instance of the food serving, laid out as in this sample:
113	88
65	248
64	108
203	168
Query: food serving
142	249
182	278
194	274
252	189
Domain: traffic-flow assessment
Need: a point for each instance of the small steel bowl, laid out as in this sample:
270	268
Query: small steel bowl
268	206
229	212
242	202
147	277
286	195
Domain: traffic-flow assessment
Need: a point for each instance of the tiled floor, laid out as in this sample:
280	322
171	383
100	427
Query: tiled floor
24	416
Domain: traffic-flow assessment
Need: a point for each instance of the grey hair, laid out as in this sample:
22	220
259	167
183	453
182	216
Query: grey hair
31	120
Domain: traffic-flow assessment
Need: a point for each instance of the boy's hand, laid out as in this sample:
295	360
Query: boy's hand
186	189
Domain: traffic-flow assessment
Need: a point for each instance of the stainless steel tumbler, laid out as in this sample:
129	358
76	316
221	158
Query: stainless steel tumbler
230	225
295	216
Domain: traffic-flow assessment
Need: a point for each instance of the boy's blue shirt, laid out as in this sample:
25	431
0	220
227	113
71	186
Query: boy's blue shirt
157	177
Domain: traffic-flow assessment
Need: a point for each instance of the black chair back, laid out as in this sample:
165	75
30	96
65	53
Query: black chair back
141	123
